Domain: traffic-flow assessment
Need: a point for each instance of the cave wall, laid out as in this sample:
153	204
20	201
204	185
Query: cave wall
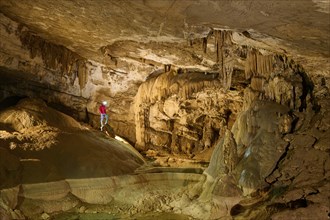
261	110
175	97
188	110
276	94
32	66
277	151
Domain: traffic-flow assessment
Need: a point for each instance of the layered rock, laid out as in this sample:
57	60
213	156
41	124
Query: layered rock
260	102
147	192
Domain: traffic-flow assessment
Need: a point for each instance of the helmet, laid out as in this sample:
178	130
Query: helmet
104	102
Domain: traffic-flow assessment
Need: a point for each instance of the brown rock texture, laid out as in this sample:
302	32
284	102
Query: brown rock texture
39	144
237	90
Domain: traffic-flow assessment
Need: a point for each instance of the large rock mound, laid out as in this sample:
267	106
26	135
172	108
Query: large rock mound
40	144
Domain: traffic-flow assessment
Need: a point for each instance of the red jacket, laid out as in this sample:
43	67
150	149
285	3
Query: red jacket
103	109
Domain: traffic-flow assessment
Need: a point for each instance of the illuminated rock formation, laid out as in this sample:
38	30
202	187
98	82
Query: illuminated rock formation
235	93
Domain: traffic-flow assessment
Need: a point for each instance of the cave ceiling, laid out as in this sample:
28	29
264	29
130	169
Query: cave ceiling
87	27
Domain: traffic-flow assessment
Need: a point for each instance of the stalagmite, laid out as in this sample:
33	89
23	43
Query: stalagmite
207	133
230	151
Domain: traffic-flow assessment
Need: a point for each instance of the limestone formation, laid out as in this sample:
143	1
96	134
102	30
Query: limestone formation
227	100
195	118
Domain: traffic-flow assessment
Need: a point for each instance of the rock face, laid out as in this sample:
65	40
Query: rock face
183	112
40	144
246	80
107	195
76	75
280	123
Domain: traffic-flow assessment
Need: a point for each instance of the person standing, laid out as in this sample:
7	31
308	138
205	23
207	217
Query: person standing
103	112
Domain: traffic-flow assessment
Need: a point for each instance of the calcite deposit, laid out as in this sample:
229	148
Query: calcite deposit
217	109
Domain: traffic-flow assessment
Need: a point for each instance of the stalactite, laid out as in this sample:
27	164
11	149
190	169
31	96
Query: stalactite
191	42
257	84
204	44
82	74
56	57
219	43
223	39
227	76
258	64
163	86
146	123
170	83
274	77
140	127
